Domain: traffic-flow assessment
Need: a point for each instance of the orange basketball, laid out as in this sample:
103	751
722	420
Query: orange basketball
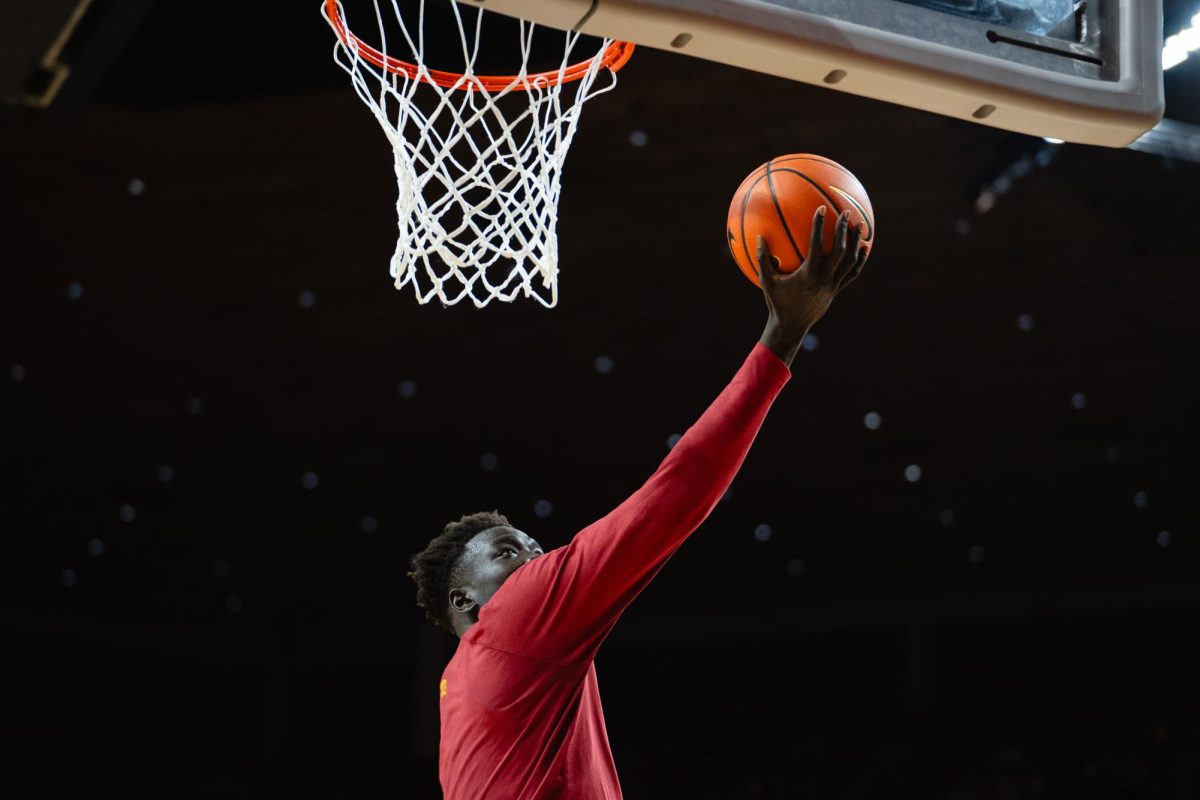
778	200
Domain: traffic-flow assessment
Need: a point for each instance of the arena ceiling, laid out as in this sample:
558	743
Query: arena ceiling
221	420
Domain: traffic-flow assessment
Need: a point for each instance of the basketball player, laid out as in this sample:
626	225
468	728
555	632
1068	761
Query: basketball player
520	706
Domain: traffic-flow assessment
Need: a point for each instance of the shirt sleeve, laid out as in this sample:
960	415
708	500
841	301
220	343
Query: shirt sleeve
559	607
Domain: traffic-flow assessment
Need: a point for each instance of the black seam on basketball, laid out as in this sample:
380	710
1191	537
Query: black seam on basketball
815	160
816	186
867	216
752	176
779	211
753	262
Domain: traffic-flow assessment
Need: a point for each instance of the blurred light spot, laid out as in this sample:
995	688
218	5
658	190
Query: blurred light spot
728	494
795	568
1021	167
947	517
1141	500
18	373
673	440
368	524
975	554
233	604
1051	140
489	461
1002	184
194	405
638	138
810	342
306	300
1025	322
96	547
1113	454
763	533
127	513
74	290
963	227
985	202
1163	538
309	480
221	569
136	186
912	473
1078	401
1178	46
542	509
603	365
872	420
407	389
69	578
1043	157
165	473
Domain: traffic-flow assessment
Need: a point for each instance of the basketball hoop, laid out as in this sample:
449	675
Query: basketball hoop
479	163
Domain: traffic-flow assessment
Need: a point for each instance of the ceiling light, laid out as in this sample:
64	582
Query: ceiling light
1177	47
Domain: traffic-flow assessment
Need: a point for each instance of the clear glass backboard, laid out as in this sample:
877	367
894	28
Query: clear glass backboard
1037	17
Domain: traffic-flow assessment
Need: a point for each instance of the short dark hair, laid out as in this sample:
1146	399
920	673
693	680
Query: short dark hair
435	566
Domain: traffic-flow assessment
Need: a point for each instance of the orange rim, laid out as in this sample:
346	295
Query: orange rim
614	57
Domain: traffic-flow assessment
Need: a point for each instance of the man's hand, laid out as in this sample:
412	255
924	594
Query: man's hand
797	300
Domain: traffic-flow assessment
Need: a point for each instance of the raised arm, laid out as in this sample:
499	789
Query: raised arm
559	607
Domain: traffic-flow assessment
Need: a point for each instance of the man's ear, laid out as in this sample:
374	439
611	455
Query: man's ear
461	600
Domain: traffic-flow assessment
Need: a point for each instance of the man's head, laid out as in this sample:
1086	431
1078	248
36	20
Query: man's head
462	568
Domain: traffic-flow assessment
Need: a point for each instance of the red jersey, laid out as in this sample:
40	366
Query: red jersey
520	707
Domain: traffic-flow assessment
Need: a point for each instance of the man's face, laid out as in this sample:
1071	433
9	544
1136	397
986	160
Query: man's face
487	562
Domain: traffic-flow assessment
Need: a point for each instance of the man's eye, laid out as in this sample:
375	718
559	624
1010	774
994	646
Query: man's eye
504	550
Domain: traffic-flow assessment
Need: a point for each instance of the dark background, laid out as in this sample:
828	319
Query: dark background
225	434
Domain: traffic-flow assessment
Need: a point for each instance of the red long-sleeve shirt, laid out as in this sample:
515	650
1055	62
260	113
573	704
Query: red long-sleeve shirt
520	707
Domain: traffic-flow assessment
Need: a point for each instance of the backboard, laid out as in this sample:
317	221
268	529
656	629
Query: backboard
1087	71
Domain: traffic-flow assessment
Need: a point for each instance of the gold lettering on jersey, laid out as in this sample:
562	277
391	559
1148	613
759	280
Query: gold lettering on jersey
442	689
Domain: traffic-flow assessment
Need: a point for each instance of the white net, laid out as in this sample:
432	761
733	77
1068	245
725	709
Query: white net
479	171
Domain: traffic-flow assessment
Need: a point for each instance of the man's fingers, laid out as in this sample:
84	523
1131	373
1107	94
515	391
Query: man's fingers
832	264
857	269
850	256
766	262
856	234
816	241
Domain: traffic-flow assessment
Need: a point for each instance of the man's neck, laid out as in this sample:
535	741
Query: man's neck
462	623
